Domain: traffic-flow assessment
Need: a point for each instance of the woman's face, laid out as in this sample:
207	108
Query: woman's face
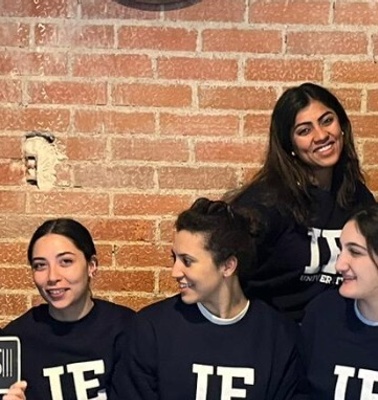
199	279
359	271
62	274
317	136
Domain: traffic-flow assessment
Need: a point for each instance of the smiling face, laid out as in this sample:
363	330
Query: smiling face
62	274
359	271
317	137
199	279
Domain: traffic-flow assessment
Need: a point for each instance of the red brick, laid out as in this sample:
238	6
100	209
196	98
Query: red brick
167	284
40	8
372	100
356	13
19	226
251	41
13	304
136	302
10	91
13	253
166	229
105	254
121	229
103	9
16	278
243	152
12	202
86	148
18	63
14	34
287	70
290	12
10	147
157	38
364	125
239	98
67	93
11	173
106	65
31	119
257	124
210	10
149	150
144	255
141	281
199	124
197	68
146	204
370	152
350	98
68	203
332	43
113	122
204	178
354	72
372	179
74	35
152	95
104	177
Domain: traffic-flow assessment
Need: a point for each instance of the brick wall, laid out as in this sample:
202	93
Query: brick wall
151	109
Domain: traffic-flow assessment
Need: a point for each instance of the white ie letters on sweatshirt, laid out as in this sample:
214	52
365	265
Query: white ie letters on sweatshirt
227	375
344	373
78	371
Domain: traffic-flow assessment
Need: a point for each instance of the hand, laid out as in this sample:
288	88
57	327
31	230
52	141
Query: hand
16	391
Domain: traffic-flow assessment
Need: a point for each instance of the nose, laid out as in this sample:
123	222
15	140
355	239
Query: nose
53	275
321	133
176	270
342	264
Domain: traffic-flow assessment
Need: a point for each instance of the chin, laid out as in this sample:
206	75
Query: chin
346	292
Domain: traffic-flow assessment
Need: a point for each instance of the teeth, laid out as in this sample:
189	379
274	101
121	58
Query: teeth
56	291
325	148
185	285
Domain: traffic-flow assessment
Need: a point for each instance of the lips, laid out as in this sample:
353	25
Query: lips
55	293
185	285
324	148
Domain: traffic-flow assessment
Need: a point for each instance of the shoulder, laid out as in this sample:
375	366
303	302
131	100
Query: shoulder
331	301
160	308
363	194
32	316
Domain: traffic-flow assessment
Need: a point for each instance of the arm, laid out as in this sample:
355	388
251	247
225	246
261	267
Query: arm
16	391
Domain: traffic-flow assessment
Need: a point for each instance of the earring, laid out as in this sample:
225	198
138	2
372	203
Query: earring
293	154
342	133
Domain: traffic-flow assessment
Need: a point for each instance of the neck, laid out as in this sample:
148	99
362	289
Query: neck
322	178
369	309
74	312
229	302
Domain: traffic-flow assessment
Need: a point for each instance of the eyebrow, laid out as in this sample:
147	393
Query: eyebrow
354	244
58	255
309	122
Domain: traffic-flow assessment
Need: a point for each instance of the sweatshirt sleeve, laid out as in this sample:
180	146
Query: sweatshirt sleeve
142	367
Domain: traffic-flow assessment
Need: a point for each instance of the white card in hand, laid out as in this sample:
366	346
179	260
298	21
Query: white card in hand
10	361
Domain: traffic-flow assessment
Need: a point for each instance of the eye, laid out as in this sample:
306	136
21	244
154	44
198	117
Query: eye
173	257
328	120
303	131
66	262
39	265
187	261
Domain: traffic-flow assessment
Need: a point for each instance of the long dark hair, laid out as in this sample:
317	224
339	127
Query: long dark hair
287	178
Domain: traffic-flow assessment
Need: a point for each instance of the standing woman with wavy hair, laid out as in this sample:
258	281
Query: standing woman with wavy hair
308	187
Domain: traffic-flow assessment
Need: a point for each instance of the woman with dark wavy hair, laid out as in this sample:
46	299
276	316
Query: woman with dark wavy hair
308	187
210	341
